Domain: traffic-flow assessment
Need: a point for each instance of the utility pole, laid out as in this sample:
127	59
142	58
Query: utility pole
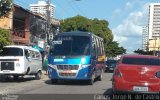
48	20
11	20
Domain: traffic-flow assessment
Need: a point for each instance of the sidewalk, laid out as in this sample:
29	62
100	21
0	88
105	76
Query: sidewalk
44	74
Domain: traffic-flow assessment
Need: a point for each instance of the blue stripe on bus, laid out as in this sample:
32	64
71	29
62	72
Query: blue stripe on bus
56	61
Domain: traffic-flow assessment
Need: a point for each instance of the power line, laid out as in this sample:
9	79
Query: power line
62	7
71	6
77	7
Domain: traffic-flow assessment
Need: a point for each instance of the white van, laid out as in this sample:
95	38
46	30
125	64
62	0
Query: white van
18	61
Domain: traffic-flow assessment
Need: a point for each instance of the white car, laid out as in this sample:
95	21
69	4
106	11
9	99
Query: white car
18	61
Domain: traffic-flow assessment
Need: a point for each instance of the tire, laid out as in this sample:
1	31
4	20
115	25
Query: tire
54	81
38	76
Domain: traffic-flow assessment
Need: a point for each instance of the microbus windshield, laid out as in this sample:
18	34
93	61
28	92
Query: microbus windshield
11	51
70	45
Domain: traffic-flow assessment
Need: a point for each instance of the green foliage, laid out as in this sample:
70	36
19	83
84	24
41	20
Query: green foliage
112	49
96	26
5	7
140	51
80	23
5	37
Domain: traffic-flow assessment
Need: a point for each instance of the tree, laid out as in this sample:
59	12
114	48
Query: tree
112	49
4	37
96	26
5	7
140	51
80	23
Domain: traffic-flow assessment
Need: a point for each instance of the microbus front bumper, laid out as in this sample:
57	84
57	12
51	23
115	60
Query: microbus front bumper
82	73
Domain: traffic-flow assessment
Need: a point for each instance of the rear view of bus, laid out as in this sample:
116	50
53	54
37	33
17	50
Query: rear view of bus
71	57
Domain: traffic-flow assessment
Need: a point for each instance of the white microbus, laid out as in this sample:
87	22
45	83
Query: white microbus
18	61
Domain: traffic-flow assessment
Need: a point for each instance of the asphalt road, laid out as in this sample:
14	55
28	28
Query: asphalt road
42	89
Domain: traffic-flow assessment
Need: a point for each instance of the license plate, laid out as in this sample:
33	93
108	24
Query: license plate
110	68
6	71
67	71
139	88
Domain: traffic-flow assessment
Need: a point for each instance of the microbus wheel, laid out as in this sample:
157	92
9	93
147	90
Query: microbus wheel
38	76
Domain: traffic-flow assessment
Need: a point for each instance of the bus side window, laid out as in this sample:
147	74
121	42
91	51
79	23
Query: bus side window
94	51
101	48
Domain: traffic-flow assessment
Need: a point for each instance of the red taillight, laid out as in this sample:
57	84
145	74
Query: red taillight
117	73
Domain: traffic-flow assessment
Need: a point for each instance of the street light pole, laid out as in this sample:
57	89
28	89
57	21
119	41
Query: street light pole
48	20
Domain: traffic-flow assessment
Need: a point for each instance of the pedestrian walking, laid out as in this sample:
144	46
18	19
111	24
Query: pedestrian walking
45	64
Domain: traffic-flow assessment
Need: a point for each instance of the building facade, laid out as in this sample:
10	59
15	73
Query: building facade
154	20
27	28
18	26
144	38
154	27
41	8
154	44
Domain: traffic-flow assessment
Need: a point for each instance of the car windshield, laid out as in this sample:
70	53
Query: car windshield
111	62
70	45
141	61
11	52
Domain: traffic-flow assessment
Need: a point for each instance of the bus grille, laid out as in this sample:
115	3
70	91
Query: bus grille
67	67
7	65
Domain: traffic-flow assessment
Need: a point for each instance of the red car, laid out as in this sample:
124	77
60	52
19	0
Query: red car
137	74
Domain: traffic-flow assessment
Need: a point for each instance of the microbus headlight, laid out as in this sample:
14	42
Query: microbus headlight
17	65
83	61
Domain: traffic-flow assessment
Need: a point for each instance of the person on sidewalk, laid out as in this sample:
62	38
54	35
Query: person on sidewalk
45	64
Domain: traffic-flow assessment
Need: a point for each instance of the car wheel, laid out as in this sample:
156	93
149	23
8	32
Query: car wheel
38	76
